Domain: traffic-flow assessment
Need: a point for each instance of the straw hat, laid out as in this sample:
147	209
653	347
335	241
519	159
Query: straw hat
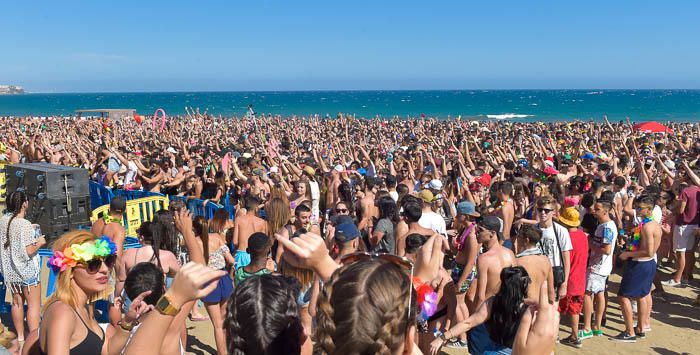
570	217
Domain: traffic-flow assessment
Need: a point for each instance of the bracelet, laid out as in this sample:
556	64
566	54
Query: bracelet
127	326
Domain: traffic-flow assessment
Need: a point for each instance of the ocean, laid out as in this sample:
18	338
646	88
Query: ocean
529	105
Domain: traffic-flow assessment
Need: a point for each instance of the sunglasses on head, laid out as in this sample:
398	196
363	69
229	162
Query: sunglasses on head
400	261
94	265
544	210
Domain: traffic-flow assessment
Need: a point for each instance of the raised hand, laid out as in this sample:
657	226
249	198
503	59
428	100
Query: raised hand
192	282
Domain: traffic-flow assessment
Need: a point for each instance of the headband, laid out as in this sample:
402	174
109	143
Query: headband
81	253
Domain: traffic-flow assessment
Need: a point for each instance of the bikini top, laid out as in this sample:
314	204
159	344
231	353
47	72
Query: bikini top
88	346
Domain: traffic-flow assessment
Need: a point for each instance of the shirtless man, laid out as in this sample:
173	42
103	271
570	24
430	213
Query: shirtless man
488	265
505	210
639	272
537	265
111	226
244	227
411	215
368	211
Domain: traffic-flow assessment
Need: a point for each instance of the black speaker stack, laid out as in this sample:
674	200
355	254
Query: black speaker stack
59	196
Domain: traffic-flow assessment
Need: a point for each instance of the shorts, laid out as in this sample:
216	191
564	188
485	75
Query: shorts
222	292
637	278
596	283
684	237
571	305
457	273
242	259
113	165
480	342
16	288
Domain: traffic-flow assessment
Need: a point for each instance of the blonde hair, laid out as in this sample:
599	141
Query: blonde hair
64	290
6	337
363	309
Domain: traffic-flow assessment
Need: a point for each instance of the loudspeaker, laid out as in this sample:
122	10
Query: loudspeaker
59	196
44	180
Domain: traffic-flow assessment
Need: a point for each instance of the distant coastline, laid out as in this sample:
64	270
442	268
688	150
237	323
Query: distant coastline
11	90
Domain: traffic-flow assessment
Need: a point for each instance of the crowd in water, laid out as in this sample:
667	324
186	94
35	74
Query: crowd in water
356	236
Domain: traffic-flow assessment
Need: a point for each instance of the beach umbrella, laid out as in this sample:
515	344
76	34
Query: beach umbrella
652	127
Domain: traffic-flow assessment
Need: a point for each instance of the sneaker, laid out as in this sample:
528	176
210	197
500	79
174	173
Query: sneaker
625	338
583	335
641	335
576	343
671	283
457	344
597	333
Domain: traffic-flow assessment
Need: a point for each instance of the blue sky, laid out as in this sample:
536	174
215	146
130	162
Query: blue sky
311	45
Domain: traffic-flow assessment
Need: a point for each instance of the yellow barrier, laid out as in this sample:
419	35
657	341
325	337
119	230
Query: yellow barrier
3	181
137	212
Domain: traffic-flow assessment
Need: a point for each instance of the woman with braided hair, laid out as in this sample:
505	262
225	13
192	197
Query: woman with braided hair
20	263
263	317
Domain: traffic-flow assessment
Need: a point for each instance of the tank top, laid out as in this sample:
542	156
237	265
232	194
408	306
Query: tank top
91	342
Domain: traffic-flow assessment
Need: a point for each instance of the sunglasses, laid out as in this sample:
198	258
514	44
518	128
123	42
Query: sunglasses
94	265
341	210
544	210
400	261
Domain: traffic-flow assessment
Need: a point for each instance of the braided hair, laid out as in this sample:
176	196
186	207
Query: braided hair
363	310
14	205
263	317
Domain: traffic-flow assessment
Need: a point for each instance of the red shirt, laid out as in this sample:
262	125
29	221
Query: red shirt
576	285
691	196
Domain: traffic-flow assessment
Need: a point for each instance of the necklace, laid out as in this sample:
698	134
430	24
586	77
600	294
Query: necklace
637	237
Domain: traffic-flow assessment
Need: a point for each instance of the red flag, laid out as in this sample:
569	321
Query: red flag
137	118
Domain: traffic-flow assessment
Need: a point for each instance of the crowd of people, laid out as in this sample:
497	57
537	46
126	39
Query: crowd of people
356	236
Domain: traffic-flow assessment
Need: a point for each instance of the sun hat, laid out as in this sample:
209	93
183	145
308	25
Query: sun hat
426	196
570	217
467	208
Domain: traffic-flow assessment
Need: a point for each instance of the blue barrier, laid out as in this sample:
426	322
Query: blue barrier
99	194
197	207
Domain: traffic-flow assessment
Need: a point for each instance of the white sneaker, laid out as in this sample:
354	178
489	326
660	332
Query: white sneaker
671	283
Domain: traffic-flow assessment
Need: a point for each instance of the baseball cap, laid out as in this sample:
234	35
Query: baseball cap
588	156
435	184
484	179
246	155
339	168
426	196
309	170
346	232
550	171
467	208
494	224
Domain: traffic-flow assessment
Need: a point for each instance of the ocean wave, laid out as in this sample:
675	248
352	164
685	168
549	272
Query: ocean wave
506	116
595	93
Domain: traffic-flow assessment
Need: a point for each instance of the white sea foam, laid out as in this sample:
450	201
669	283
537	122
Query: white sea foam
594	93
506	116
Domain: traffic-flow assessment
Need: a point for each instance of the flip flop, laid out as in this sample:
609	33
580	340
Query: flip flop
199	319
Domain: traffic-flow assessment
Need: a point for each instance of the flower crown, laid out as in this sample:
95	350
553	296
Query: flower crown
75	253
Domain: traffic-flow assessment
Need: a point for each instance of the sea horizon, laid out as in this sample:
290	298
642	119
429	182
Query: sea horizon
525	104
